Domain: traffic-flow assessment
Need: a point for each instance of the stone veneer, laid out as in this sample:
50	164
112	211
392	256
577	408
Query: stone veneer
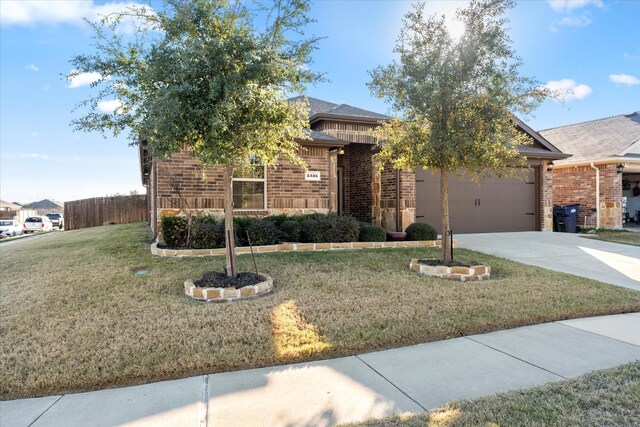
228	294
463	274
291	247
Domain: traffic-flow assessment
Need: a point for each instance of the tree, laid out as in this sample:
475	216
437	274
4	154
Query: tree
456	97
199	75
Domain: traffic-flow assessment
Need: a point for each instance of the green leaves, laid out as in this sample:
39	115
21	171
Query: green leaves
456	96
199	74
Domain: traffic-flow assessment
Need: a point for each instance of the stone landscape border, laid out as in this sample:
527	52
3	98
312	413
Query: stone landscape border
463	274
296	247
228	294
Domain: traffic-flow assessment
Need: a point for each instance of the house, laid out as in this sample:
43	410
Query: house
342	178
604	168
8	210
45	206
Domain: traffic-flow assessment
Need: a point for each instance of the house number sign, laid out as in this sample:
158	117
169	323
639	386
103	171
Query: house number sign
312	176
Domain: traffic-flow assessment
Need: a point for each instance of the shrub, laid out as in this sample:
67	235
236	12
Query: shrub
240	226
278	219
291	230
207	232
419	231
264	232
372	233
330	228
174	231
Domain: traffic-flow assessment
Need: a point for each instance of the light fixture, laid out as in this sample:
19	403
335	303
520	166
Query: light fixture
619	168
550	167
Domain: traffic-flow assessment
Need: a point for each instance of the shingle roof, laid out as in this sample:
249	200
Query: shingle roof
608	137
318	106
7	205
44	204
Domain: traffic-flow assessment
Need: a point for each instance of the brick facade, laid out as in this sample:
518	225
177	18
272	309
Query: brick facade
385	198
577	185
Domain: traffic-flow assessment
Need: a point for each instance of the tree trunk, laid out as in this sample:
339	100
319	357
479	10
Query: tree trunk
229	237
444	215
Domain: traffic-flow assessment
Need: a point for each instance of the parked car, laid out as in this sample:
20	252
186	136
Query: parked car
10	227
56	219
37	223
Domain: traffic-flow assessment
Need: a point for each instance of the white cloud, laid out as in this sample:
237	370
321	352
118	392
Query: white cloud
30	12
46	87
32	67
624	79
83	79
568	5
109	106
34	134
568	89
576	21
630	56
33	156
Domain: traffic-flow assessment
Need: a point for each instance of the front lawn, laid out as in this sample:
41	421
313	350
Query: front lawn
74	316
626	237
610	397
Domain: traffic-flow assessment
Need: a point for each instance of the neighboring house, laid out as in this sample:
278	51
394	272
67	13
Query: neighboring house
45	206
8	210
342	178
604	168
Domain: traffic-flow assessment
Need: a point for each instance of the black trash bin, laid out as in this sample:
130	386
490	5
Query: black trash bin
565	218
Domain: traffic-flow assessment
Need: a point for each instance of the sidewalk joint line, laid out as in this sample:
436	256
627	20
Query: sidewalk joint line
517	358
204	403
43	412
594	333
396	387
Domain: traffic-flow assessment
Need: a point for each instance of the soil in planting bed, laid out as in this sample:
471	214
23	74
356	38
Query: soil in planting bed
454	263
212	279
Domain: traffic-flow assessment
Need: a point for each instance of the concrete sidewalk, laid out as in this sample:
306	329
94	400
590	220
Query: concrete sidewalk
325	393
612	263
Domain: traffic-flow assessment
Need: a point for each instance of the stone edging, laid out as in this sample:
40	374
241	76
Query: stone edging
296	247
228	294
463	274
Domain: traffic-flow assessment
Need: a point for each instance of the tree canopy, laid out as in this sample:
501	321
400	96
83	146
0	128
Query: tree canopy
455	97
201	75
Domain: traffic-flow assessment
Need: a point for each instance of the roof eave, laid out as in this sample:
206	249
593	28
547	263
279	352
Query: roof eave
343	118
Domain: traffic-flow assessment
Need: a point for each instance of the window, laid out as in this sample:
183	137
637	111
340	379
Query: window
249	186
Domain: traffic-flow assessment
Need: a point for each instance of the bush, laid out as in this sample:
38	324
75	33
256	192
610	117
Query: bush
207	232
372	233
419	231
174	231
264	232
240	226
291	230
330	228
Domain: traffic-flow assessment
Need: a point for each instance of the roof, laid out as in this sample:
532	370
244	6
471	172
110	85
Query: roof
320	108
11	206
616	137
43	204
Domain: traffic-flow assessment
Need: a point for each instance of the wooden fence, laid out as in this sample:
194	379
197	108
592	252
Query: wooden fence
104	211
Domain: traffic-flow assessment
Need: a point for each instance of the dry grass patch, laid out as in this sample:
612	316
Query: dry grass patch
625	237
74	316
609	397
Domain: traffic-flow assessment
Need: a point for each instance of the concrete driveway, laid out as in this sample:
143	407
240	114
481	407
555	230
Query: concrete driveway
612	263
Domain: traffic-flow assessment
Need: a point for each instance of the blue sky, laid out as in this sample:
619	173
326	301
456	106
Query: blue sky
587	46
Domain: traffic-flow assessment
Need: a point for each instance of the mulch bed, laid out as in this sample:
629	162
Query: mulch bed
438	262
212	279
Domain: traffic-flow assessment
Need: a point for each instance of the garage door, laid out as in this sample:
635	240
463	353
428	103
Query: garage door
495	204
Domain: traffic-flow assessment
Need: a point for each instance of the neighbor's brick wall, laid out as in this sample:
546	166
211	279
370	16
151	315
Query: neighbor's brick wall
577	185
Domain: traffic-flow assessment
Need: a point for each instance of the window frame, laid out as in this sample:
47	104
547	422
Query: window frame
263	180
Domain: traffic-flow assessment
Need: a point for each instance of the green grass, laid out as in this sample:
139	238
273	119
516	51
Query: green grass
609	397
616	236
74	316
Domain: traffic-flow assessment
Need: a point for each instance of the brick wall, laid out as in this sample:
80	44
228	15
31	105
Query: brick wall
183	185
576	185
546	196
384	198
359	192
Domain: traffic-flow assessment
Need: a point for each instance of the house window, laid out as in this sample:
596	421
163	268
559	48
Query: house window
250	186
